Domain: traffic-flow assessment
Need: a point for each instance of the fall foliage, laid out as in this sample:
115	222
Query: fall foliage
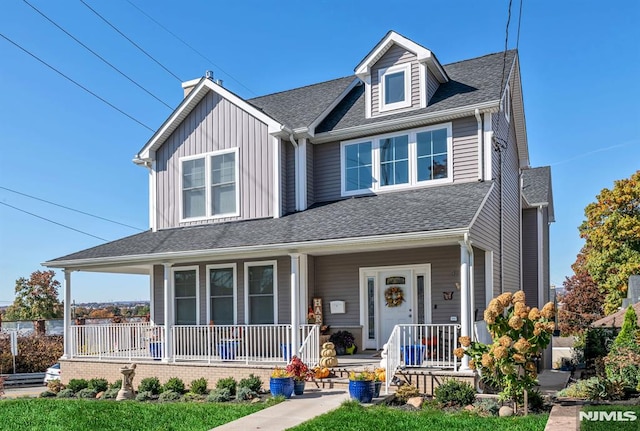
612	234
36	298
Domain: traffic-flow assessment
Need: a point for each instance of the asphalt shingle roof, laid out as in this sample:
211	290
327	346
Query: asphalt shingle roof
536	185
421	210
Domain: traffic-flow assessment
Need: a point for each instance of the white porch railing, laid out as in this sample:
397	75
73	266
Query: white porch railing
211	344
421	346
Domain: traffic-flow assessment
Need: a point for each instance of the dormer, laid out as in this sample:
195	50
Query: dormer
399	75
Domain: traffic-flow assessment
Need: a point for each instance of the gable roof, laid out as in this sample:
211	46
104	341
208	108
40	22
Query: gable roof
428	212
615	320
536	188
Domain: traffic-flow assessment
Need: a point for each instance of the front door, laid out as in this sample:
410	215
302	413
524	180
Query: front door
395	299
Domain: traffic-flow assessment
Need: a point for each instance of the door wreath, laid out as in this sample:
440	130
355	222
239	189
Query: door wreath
394	296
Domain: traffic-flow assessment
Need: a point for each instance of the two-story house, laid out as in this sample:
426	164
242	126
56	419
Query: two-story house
401	197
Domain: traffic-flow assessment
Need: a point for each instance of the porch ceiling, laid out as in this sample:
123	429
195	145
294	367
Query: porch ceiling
431	215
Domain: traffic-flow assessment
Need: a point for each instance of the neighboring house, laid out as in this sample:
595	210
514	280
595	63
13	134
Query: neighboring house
409	175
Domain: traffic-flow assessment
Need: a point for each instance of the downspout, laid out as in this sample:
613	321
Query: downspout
472	287
296	166
480	145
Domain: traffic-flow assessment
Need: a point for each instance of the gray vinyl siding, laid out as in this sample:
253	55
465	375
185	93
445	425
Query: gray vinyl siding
432	85
545	255
217	124
511	199
485	233
290	177
326	172
283	291
465	149
310	190
394	56
479	284
337	278
530	254
326	160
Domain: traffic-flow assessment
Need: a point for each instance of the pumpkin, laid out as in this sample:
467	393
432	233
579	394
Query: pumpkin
327	353
328	345
322	373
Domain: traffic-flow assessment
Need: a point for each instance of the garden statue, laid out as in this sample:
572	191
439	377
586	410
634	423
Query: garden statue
126	392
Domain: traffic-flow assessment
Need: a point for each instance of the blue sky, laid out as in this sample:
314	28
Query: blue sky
580	63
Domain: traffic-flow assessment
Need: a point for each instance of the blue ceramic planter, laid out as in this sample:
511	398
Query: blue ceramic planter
361	390
281	386
298	387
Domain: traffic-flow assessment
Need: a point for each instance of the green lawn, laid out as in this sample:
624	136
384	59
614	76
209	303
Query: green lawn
588	425
354	417
84	415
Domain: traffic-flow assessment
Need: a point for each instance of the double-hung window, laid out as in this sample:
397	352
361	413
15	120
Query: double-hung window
210	185
221	290
185	285
261	292
394	85
408	159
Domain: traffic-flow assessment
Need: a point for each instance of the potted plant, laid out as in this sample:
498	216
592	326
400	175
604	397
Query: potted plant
379	376
281	382
361	386
344	342
300	373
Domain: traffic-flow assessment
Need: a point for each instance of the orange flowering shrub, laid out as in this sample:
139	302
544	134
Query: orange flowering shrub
520	334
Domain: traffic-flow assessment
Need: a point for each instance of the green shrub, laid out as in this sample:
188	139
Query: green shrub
199	386
169	395
190	396
405	392
87	394
55	386
98	385
244	393
65	393
252	382
116	385
144	396
76	385
623	361
174	384
219	395
455	393
486	407
47	394
110	394
228	383
150	384
535	400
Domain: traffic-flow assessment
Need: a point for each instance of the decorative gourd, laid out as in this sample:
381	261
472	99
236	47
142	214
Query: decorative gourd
328	345
328	356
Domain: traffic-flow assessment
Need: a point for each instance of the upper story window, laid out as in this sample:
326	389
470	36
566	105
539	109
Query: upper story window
395	87
505	105
210	185
408	159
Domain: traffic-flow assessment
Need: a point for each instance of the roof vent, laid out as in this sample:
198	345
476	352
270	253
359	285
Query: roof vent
208	74
219	82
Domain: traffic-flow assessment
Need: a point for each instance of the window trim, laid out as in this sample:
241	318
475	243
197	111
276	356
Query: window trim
413	161
175	269
382	73
505	103
208	188
247	265
234	267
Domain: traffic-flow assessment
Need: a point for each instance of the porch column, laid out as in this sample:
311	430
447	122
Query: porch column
67	315
464	298
295	298
168	314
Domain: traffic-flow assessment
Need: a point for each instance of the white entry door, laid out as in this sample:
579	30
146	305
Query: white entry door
401	312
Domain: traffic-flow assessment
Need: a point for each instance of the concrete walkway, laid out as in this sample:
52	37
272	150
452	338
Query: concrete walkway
563	418
291	412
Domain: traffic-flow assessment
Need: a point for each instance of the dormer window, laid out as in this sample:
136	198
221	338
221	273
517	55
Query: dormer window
395	87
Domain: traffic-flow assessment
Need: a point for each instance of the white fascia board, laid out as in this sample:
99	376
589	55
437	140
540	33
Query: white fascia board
334	246
190	102
327	111
407	122
484	201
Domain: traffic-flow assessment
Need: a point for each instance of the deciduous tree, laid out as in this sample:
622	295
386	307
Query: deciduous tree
612	234
36	297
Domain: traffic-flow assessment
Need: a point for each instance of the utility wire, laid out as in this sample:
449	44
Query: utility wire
70	209
519	20
190	47
54	222
130	41
98	55
75	82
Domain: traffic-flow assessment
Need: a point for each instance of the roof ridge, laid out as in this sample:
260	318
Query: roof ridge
481	56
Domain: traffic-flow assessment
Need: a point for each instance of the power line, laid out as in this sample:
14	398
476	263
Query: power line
130	41
75	82
190	47
98	55
71	209
519	20
54	222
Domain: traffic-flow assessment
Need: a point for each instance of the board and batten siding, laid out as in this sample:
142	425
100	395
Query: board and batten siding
284	289
217	124
310	190
290	177
337	277
326	160
396	55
